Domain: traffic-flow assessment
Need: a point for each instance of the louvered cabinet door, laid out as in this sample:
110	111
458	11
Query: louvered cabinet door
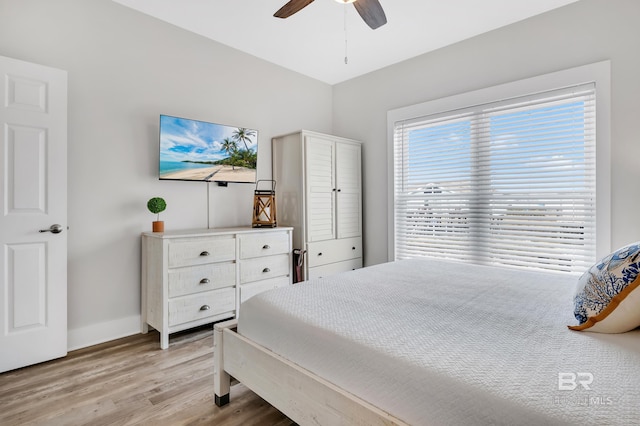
320	189
348	190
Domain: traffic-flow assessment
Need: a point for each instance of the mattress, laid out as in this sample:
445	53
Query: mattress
443	343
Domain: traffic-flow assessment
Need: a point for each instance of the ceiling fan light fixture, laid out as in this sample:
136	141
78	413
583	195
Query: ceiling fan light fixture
369	10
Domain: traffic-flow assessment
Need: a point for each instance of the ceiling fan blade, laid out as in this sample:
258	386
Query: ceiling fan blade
292	7
372	13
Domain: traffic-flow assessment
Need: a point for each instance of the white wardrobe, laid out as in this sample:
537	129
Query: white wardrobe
319	194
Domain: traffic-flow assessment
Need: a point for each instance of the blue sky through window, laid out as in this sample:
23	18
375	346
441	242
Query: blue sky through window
521	146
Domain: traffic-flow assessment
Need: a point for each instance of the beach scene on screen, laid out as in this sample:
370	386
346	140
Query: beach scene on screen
202	151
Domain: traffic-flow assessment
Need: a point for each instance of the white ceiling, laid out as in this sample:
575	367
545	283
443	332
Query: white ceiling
312	42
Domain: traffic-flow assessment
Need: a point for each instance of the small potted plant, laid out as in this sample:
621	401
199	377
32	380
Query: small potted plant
156	205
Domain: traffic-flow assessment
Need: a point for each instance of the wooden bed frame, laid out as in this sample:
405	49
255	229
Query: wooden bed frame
301	395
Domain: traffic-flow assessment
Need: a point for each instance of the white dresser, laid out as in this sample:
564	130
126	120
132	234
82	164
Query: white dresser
196	277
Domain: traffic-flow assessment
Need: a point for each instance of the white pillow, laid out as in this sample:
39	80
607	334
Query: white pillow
608	296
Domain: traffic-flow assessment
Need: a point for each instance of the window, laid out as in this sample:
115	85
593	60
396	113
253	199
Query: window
510	183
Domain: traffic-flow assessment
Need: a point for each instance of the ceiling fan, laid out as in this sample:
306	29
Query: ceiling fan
370	10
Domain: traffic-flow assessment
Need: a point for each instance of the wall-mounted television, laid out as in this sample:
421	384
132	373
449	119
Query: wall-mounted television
195	150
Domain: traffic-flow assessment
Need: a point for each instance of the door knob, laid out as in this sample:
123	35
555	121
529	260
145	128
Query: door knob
54	229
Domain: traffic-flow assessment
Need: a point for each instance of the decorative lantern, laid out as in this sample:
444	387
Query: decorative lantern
264	206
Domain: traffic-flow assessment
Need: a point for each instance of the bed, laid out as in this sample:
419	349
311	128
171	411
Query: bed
425	342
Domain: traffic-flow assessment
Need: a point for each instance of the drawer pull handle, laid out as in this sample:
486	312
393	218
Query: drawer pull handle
266	270
266	246
205	307
204	253
205	281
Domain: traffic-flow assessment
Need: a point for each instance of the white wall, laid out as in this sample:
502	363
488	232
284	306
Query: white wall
124	70
584	32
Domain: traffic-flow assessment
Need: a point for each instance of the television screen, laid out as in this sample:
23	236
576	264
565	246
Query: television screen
208	152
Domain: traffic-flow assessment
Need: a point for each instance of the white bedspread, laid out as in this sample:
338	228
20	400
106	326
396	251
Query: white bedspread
438	343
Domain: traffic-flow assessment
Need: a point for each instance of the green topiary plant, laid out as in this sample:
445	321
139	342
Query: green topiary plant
156	205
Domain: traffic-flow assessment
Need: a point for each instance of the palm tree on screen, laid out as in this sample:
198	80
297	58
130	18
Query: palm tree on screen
230	146
245	158
243	135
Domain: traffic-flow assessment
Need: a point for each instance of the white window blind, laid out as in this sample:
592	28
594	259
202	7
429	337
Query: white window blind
510	183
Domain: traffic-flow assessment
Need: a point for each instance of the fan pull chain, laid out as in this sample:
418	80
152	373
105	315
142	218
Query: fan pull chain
346	59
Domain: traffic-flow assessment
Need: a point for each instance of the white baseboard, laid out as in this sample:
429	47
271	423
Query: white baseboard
94	334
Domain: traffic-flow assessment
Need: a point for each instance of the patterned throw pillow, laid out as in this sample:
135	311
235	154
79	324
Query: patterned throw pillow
608	296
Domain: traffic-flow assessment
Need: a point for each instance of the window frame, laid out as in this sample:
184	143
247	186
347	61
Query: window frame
597	73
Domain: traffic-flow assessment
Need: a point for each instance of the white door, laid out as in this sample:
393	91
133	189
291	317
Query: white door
348	203
33	197
321	189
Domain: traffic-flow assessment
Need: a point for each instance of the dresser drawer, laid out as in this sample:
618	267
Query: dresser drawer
331	251
263	244
196	279
250	290
202	305
201	251
262	268
334	268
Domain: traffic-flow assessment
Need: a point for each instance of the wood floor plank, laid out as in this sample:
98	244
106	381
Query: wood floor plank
130	381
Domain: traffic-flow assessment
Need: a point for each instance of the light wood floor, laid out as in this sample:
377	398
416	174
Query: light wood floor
130	381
